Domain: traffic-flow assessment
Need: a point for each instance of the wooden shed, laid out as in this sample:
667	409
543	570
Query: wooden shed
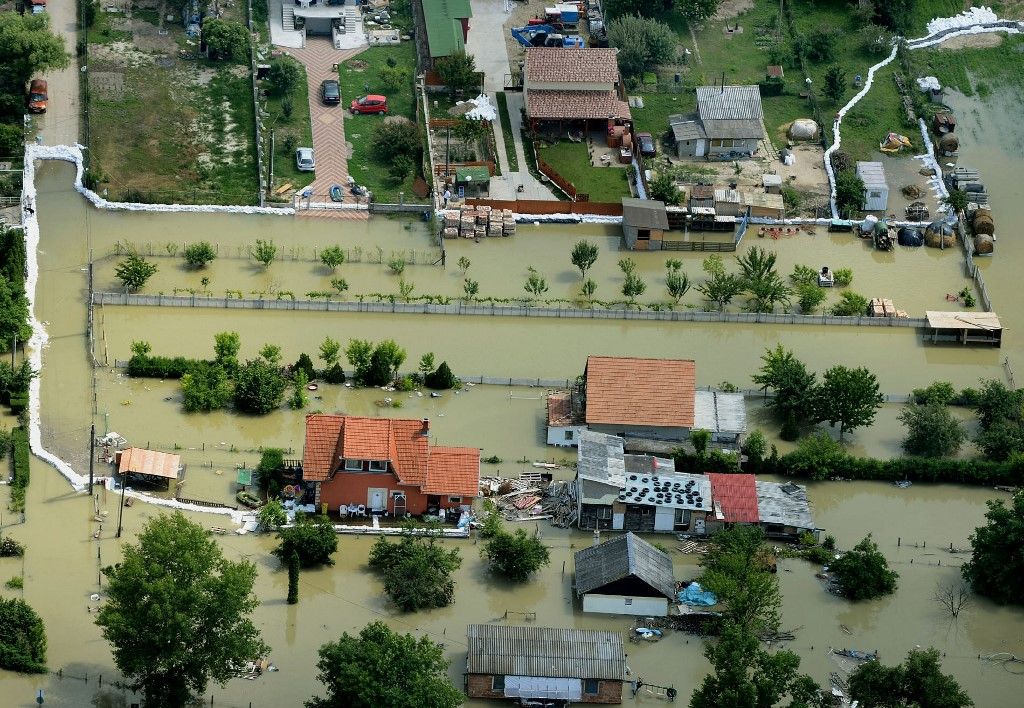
149	465
965	327
625	576
644	223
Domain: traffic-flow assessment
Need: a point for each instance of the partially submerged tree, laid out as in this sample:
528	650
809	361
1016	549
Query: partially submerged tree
916	683
536	284
441	379
134	271
953	597
792	382
332	257
584	255
996	567
259	387
193	626
863	573
312	537
226	346
197	255
515	556
205	387
264	252
737	568
417	569
22	638
849	397
677	284
932	430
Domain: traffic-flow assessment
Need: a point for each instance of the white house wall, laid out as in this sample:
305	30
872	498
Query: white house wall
556	435
664	518
618	521
616	605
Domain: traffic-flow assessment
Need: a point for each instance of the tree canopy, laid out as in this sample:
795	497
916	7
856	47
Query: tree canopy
134	271
792	382
584	255
849	397
312	537
916	683
259	387
863	573
932	430
515	556
737	568
22	638
27	47
1001	418
380	667
996	567
458	72
193	625
205	387
643	43
417	570
226	39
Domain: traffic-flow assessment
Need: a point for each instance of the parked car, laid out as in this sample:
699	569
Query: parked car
38	6
37	96
304	160
645	142
330	92
370	104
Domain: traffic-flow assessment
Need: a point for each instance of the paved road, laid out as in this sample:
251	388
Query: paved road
60	124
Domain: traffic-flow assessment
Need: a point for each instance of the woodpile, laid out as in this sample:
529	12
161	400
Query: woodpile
883	307
477	222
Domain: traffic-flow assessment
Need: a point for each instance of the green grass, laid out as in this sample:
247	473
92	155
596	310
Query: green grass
653	117
235	171
572	161
506	131
966	69
880	111
296	125
358	77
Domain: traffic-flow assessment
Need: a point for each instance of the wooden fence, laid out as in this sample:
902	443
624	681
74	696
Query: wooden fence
561	182
543	206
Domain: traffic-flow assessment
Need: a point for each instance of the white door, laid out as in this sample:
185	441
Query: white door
375	499
701	145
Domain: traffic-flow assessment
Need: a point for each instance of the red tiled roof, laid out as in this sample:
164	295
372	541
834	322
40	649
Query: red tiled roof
548	104
633	391
411	450
560	409
366	438
737	496
586	65
453	470
319	455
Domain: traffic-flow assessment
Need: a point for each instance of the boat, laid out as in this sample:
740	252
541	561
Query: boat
337	193
856	654
648	634
903	483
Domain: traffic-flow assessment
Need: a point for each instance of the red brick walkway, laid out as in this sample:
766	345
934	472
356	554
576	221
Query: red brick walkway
320	57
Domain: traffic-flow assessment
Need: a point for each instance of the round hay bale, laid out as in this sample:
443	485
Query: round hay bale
949	143
803	129
908	236
983	244
983	223
939	235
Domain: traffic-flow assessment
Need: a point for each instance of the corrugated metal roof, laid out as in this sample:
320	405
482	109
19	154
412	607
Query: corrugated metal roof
720	412
872	174
785	504
640	392
136	460
644	213
620	558
735	103
601	458
504	650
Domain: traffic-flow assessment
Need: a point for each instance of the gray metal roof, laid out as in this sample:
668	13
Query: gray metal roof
720	412
504	650
644	213
600	458
620	558
686	127
872	174
739	103
785	504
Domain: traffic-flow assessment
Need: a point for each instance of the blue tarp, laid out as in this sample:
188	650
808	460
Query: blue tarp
694	594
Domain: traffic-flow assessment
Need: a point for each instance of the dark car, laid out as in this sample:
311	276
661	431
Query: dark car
645	141
330	92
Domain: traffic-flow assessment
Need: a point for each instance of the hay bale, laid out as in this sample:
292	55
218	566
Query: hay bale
939	235
803	129
983	223
949	143
983	244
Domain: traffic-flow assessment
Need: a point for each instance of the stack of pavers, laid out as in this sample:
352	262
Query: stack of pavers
477	222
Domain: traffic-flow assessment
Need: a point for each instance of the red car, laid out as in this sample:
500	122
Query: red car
370	104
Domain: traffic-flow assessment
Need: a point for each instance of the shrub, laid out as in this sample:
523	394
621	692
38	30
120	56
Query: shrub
843	277
199	254
272	515
226	38
417	570
22	460
22	638
335	374
939	392
515	556
9	548
312	538
863	573
850	305
304	363
441	379
391	140
205	387
160	367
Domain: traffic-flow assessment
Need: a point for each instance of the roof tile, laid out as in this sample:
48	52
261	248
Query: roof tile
556	64
453	470
635	391
592	105
737	496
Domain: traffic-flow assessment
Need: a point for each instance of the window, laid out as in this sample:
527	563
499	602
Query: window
643	235
378	466
497	683
354	465
629	601
568	435
591	686
604	512
875	195
454	500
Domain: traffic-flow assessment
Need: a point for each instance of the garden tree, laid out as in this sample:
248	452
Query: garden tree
996	567
863	573
835	83
957	200
1001	419
427	364
696	10
269	470
470	288
13	314
339	284
305	365
271	353
358	353
226	38
332	257
405	289
259	387
633	287
932	430
442	379
134	271
264	252
392	355
767	292
678	284
205	387
293	578
849	193
12	139
792	382
272	515
664	188
394	77
515	556
299	399
916	683
876	39
737	568
849	397
380	667
536	284
27	48
458	72
588	288
22	638
284	76
850	304
330	349
820	44
312	537
194	625
754	447
721	288
897	15
584	255
400	168
391	140
809	297
197	255
643	43
463	264
417	569
225	350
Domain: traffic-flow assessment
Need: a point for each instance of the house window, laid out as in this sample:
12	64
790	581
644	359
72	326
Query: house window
591	686
454	500
568	435
605	512
643	235
629	601
378	466
497	683
875	195
353	465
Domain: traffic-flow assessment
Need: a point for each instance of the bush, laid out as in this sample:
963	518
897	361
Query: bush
441	379
284	76
199	254
863	573
843	277
417	570
205	387
22	459
850	305
272	515
259	387
335	374
754	447
22	638
939	392
515	556
391	140
304	363
160	367
226	38
313	538
9	548
817	555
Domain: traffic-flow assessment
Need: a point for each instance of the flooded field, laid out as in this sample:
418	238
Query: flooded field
60	569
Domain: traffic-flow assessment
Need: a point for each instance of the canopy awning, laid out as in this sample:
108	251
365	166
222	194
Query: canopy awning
476	173
565	689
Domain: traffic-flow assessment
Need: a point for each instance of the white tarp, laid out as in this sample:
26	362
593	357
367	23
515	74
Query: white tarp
565	689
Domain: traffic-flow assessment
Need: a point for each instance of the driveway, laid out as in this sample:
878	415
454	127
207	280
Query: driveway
60	124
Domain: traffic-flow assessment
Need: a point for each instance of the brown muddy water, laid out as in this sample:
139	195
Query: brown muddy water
60	569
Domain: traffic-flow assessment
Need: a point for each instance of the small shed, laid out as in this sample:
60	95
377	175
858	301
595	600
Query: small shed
766	204
148	465
476	177
876	189
625	576
772	183
644	223
965	327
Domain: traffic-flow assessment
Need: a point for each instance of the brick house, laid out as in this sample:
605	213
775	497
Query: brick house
386	465
557	666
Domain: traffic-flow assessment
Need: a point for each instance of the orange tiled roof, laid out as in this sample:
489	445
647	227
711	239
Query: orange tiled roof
560	409
634	391
319	455
453	470
554	64
736	494
366	438
550	104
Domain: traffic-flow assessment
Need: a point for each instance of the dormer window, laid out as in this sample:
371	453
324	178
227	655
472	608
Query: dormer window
353	465
378	466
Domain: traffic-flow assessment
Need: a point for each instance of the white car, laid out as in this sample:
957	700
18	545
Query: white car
304	160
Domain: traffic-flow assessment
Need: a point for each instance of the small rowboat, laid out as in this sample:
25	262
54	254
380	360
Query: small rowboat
337	193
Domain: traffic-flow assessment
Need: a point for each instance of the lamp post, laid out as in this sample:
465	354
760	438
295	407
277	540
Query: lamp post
120	511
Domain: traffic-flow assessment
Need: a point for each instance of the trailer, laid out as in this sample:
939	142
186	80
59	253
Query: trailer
545	36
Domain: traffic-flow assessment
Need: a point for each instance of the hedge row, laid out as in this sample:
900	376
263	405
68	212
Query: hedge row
916	469
160	367
21	456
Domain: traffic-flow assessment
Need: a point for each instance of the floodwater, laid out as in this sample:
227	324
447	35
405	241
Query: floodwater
60	569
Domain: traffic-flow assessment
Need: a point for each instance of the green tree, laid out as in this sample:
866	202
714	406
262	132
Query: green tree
850	304
849	397
134	271
809	297
259	387
269	470
396	266
339	284
305	364
394	77
427	364
27	48
996	567
721	288
442	379
271	354
392	355
391	140
633	287
401	167
194	625
932	430
849	193
463	264
957	200
515	556
536	284
588	288
470	288
312	537
13	314
584	255
225	350
863	573
380	667
756	264
794	385
737	568
284	76
272	515
22	638
664	188
417	570
643	43
817	456
458	72
205	387
332	257
299	399
264	252
1001	419
941	393
767	292
835	83
700	438
197	255
678	284
226	39
405	289
627	266
916	683
330	349
754	447
293	578
358	353
696	10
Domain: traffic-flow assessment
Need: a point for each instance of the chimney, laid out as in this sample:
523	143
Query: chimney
425	430
597	537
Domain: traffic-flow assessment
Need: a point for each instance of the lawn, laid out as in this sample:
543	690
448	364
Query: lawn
360	76
978	71
572	161
290	129
506	131
653	117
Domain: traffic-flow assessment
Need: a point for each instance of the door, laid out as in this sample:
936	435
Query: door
399	504
375	499
699	151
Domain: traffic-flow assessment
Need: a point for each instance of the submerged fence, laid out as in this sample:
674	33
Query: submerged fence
464	308
973	272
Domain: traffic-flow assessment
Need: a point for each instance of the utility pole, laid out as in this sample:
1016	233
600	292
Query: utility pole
270	166
120	511
92	454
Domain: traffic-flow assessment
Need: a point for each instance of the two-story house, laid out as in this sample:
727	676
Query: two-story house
387	466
